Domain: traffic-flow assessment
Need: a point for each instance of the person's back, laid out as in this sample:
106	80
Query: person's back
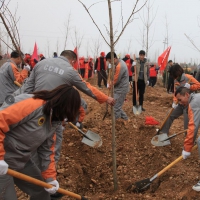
122	85
9	73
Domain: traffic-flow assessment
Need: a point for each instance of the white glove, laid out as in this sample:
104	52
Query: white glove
187	85
147	82
27	67
174	105
95	71
78	125
185	154
54	188
3	167
109	66
134	63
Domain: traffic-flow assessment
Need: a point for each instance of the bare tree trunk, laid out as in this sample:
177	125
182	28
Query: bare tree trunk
112	94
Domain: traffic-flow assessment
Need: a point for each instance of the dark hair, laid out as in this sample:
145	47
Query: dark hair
16	54
55	54
142	52
182	91
64	101
176	71
69	54
108	56
169	61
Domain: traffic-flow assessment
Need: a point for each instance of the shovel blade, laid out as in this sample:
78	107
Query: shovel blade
95	141
158	140
140	186
137	110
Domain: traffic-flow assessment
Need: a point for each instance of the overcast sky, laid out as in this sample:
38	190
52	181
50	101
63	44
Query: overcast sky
42	21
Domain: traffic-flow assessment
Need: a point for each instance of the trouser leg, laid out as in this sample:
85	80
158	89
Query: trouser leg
99	78
35	192
178	111
154	81
141	88
7	189
119	113
59	137
186	119
134	94
104	77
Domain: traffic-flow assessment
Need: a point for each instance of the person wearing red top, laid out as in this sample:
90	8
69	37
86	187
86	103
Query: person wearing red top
82	66
129	62
153	71
101	68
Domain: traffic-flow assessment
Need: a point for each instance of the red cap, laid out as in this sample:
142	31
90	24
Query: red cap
102	54
127	55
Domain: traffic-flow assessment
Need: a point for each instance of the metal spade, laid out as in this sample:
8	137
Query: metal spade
90	138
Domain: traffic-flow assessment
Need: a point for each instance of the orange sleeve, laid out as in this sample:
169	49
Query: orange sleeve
101	97
194	84
117	72
13	115
50	172
189	140
81	114
19	76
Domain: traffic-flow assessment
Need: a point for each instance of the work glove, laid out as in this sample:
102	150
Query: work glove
185	154
134	63
109	66
78	124
3	167
147	82
187	85
174	105
54	188
95	71
27	67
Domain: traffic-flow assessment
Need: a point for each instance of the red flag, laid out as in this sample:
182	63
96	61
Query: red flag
76	64
163	58
35	53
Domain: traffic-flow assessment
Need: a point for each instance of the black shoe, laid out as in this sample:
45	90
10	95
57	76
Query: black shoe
56	196
143	109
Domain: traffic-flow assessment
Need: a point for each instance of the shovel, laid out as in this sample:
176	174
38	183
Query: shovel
163	139
42	184
143	185
136	109
90	138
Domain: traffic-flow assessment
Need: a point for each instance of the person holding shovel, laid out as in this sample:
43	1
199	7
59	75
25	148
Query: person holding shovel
9	73
185	80
121	85
142	76
28	122
190	100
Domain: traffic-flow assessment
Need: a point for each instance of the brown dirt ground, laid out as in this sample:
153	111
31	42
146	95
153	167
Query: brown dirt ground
88	171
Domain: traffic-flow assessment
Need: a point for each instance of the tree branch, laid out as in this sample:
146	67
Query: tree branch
94	21
133	12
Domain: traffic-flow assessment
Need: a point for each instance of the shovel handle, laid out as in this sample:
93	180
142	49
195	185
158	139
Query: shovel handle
17	83
181	132
173	163
170	112
42	183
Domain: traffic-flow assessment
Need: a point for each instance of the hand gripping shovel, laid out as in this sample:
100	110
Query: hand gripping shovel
90	138
137	109
143	185
163	139
42	184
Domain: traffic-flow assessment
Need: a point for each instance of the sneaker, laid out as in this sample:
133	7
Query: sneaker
99	87
196	187
143	109
56	196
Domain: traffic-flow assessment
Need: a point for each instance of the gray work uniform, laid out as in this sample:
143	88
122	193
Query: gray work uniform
49	74
121	88
8	74
26	129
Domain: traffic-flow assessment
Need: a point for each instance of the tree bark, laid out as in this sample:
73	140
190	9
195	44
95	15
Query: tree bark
112	94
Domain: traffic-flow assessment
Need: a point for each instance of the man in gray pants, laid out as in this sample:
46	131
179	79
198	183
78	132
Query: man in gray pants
121	85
